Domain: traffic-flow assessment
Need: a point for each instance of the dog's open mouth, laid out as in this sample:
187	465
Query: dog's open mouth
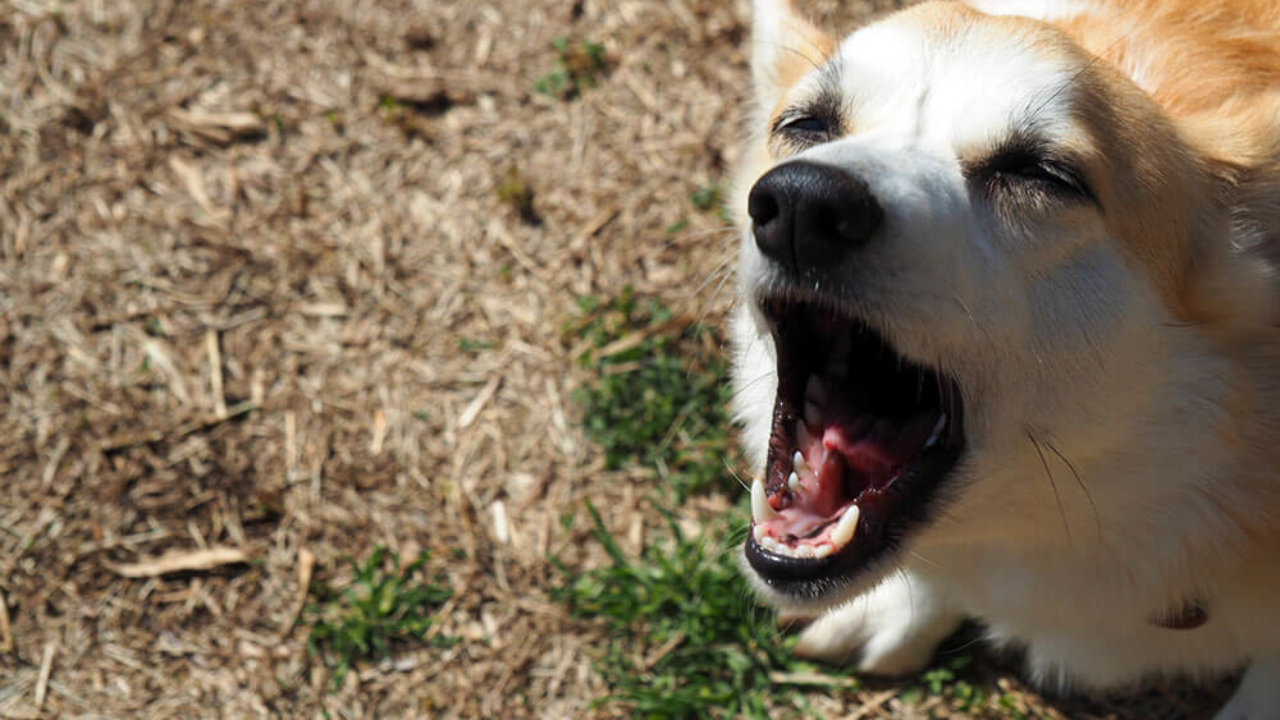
862	438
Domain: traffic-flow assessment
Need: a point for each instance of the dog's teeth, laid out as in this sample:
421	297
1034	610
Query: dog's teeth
815	391
804	551
803	437
793	482
812	415
843	534
798	463
758	532
761	510
773	546
937	431
823	550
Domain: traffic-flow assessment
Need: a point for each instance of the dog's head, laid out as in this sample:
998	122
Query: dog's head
968	250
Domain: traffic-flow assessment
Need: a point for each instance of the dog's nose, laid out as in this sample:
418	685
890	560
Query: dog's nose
809	216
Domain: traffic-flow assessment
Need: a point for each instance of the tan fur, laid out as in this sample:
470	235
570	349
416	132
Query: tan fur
1214	70
807	47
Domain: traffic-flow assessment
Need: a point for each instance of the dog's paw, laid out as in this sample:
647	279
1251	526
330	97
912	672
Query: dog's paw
891	630
1258	697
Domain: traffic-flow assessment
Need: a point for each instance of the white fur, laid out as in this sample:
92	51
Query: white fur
1129	499
890	630
1039	9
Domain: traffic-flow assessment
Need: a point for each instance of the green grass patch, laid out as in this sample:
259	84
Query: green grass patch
685	638
957	681
386	604
515	191
661	393
580	65
470	346
711	198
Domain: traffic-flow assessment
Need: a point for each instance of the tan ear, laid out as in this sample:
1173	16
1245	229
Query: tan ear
784	48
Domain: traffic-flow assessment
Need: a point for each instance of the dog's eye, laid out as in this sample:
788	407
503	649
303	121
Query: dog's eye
805	124
802	130
1032	170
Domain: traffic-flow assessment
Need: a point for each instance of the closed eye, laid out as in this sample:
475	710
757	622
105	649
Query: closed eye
1024	169
803	128
804	124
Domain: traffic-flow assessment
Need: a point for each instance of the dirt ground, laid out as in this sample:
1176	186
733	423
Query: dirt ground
268	289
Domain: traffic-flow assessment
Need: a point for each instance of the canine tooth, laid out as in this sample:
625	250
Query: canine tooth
937	431
793	482
761	510
812	415
815	391
843	534
804	438
758	532
823	550
797	462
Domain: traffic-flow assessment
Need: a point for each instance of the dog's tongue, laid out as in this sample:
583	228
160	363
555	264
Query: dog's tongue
849	457
862	454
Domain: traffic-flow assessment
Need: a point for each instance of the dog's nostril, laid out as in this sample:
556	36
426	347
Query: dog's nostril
762	207
772	221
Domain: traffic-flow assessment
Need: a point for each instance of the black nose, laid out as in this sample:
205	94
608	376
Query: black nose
810	216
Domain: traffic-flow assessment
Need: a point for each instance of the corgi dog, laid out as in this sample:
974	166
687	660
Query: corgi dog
1008	344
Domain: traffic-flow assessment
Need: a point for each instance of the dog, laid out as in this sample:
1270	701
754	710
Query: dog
1008	344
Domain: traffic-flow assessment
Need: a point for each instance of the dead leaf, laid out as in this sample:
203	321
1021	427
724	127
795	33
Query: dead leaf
181	561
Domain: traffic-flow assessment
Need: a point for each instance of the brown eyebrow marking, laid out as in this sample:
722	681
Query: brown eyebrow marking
827	104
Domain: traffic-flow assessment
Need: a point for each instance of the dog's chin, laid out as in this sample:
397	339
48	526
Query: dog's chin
862	442
823	595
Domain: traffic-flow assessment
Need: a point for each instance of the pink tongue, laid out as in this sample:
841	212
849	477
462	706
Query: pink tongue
871	454
827	500
861	453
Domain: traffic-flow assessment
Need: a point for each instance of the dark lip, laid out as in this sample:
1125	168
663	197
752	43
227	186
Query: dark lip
887	518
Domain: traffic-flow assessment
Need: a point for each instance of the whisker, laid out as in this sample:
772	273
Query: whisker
739	391
1062	512
1097	518
911	588
924	559
708	232
718	272
1097	58
724	271
972	320
815	64
736	476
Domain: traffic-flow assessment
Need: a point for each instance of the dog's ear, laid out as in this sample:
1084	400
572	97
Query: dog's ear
784	48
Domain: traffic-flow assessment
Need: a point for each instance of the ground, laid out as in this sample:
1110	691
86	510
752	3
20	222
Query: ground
283	282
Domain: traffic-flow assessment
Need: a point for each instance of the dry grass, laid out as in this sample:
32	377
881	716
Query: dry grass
283	281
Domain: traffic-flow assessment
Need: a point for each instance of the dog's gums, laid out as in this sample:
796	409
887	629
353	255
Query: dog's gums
861	438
